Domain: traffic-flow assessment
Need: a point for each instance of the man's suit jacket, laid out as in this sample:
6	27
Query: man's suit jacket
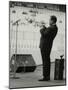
47	37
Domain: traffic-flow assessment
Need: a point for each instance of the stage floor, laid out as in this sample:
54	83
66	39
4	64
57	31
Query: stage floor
31	79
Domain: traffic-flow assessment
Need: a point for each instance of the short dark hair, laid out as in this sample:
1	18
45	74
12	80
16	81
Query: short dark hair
54	18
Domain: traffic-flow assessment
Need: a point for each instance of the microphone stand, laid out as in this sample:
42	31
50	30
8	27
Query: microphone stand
14	74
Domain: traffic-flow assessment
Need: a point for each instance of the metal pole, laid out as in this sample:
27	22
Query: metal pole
15	51
14	74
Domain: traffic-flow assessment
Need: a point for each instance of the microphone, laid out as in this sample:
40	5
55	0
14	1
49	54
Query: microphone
16	22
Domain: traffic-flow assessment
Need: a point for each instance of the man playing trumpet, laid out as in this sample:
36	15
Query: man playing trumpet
46	42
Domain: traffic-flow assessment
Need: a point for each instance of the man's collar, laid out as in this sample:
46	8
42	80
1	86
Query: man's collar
54	24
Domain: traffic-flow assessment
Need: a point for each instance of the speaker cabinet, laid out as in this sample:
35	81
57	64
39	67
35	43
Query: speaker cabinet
59	68
24	63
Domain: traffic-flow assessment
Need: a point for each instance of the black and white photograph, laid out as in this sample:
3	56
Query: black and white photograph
37	44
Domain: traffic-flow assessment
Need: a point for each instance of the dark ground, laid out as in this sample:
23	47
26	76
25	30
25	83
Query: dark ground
31	79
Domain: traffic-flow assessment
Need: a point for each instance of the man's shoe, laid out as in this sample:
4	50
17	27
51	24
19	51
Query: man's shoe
44	79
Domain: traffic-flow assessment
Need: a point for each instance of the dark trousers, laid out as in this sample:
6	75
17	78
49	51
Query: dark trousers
46	63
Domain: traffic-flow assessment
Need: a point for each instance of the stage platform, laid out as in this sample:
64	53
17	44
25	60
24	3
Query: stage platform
31	79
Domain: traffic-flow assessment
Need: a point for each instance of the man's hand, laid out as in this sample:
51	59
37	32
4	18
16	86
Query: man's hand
43	26
42	30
